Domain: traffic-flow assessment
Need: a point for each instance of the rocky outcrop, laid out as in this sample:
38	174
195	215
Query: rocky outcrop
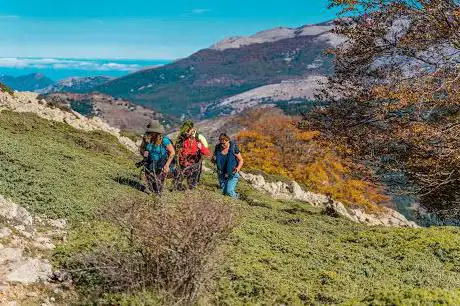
285	191
292	191
387	217
25	242
27	102
118	113
13	213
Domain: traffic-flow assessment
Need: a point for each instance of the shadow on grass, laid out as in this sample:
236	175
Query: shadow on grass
130	181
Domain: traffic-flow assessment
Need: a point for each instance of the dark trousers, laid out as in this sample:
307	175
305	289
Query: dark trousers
190	173
155	180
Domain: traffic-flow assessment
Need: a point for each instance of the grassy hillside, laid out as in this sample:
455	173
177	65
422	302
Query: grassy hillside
56	170
188	85
289	253
279	252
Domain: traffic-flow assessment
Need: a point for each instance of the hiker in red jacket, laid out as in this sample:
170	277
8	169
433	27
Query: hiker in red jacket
190	151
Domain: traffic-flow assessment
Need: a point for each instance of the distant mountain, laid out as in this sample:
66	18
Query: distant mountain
189	86
29	82
279	33
76	84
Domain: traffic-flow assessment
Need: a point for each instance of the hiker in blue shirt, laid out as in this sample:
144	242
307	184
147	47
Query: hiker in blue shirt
159	153
229	161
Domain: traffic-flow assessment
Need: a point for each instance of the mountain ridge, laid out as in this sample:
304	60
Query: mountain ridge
75	84
187	86
28	82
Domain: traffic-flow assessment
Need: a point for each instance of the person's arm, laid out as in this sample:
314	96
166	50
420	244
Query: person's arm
142	147
214	158
171	153
203	149
239	157
145	150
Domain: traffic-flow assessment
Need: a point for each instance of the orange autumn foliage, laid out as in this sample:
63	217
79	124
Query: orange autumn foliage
272	143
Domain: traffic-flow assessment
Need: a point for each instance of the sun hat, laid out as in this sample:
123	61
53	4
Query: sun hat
154	126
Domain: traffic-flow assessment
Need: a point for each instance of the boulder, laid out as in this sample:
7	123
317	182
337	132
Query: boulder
29	271
14	213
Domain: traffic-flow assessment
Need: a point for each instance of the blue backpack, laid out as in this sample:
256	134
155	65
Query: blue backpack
158	154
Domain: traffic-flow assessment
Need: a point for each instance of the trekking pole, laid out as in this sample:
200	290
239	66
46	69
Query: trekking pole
200	169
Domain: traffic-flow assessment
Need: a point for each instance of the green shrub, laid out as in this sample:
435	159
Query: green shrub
4	88
413	297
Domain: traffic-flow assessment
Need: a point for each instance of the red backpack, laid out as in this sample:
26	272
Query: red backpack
189	153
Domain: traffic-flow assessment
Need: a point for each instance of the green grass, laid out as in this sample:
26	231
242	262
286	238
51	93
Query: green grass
281	252
286	253
56	170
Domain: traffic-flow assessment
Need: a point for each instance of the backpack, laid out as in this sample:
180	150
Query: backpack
158	155
189	153
231	161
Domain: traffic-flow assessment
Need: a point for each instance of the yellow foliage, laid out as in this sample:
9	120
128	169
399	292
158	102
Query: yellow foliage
273	144
306	135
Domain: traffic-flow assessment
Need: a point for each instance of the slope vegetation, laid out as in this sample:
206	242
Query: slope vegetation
278	252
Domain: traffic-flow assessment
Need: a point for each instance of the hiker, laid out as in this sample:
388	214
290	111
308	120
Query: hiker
229	161
158	153
190	147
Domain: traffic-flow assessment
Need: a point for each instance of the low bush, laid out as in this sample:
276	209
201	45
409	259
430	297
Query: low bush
164	249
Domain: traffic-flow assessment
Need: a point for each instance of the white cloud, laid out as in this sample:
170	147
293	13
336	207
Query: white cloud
9	16
200	11
56	63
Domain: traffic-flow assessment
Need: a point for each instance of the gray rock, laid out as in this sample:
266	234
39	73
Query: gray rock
293	191
22	229
4	232
43	243
336	209
58	223
13	213
29	271
10	255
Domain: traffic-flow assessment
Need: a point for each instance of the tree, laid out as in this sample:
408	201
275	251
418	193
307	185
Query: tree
274	144
395	98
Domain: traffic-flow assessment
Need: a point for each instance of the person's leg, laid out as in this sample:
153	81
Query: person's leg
145	187
193	177
231	186
222	183
179	177
158	181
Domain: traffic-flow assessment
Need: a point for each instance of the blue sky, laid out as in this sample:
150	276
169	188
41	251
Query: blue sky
140	29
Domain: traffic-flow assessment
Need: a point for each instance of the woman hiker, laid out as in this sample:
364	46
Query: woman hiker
190	150
159	152
229	161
